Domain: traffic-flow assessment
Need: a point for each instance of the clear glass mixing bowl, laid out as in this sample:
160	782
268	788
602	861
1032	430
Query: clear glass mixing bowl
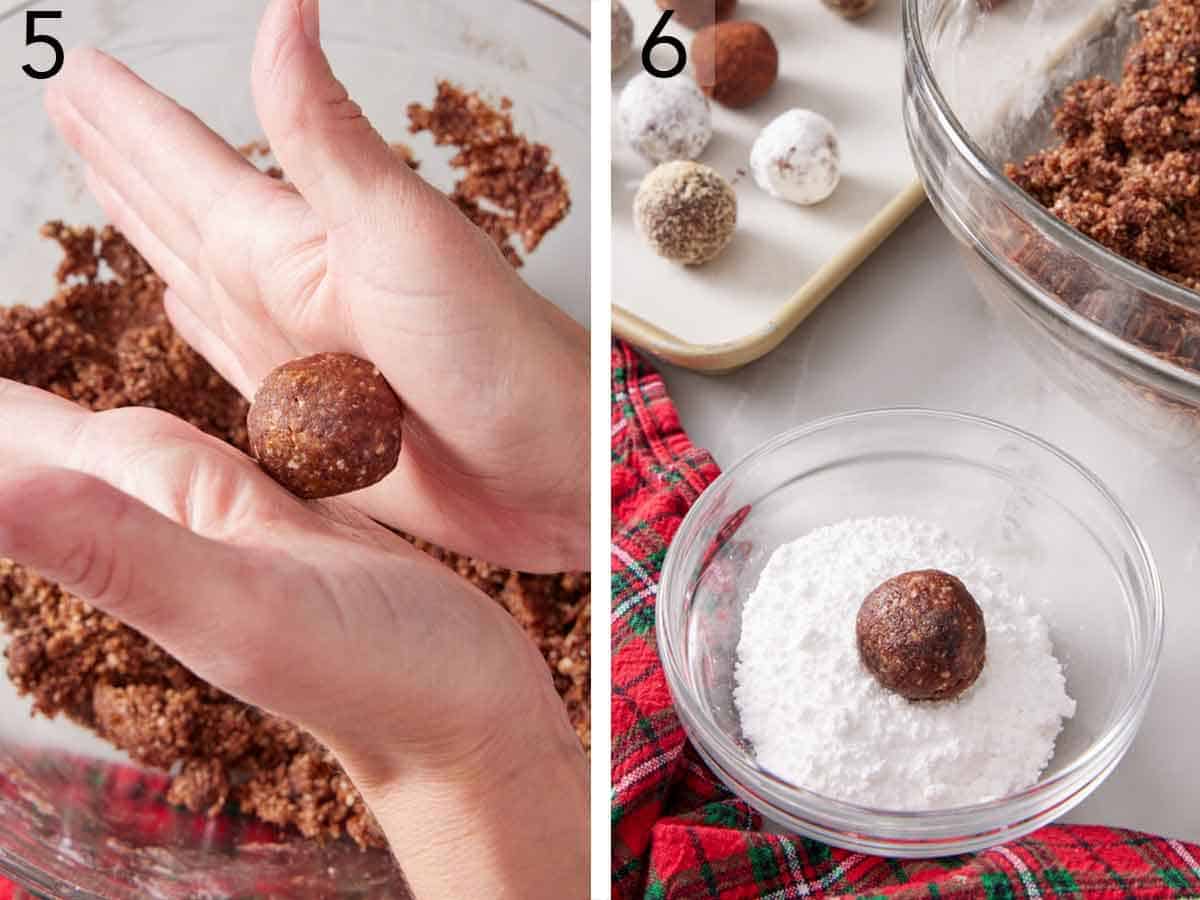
1035	513
980	89
60	832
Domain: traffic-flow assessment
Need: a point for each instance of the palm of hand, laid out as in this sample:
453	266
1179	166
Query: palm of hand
361	256
313	611
322	580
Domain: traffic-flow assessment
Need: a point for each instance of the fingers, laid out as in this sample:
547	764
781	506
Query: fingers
321	138
122	556
222	609
158	167
188	476
129	222
206	342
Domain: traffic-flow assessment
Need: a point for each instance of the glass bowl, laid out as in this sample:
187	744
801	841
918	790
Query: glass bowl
1032	511
66	827
980	89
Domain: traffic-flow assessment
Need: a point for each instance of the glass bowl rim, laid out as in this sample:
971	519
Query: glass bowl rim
711	739
923	80
967	147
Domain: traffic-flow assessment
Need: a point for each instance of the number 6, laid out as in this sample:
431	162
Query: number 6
656	38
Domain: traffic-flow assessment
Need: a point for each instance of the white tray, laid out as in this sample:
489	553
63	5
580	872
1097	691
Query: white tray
785	259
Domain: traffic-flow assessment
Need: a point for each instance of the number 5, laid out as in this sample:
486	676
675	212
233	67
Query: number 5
32	37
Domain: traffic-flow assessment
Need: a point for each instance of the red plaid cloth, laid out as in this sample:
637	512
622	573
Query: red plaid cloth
677	831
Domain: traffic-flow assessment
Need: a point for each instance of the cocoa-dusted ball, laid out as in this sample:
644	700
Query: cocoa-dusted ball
735	63
921	634
699	13
622	34
326	425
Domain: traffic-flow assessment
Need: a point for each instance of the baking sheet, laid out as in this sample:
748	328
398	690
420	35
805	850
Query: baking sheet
784	259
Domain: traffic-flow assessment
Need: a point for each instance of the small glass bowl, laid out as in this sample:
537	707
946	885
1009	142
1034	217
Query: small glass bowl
1039	516
980	90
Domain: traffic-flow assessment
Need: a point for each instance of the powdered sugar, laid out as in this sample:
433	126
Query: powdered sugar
817	718
665	119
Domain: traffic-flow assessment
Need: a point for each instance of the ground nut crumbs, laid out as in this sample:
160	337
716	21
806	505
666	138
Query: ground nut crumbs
104	342
511	188
1126	172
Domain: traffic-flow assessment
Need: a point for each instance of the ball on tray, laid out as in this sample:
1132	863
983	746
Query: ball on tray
686	212
622	34
735	63
664	118
698	13
921	634
796	157
326	425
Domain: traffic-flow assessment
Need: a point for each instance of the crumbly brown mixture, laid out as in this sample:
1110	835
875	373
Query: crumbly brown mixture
325	425
1126	172
104	342
510	187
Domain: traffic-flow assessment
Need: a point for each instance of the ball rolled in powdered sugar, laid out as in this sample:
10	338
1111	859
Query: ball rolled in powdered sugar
664	119
796	157
686	212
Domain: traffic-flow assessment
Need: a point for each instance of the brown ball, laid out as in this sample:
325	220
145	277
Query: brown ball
921	634
622	34
326	425
735	63
699	13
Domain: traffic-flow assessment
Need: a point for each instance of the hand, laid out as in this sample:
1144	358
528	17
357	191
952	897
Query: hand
440	709
363	256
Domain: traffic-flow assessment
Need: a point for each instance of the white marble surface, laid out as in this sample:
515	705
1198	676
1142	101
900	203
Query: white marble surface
910	328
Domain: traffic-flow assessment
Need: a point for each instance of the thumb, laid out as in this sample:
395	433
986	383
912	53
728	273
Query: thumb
322	140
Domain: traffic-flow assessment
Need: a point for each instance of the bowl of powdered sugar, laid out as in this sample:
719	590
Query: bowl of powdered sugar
910	632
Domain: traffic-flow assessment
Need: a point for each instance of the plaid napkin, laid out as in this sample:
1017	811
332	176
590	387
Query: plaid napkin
679	833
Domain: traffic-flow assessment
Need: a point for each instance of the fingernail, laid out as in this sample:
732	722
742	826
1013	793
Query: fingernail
310	20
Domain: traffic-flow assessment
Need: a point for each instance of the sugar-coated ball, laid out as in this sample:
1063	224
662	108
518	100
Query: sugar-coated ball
796	157
664	118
